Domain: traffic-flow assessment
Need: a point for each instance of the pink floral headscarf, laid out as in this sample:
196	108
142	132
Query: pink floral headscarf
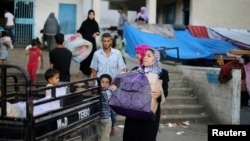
141	49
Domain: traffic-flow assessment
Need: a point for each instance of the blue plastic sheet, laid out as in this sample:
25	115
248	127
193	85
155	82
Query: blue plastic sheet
189	47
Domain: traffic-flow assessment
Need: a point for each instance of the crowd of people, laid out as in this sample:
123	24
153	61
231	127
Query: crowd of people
105	63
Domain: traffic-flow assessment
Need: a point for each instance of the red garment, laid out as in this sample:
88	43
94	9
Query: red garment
33	62
225	73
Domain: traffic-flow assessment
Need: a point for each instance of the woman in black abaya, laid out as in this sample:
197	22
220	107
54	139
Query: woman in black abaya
89	30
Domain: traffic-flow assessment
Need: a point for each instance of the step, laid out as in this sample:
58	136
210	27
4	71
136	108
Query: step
192	118
174	76
167	109
173	100
180	92
177	84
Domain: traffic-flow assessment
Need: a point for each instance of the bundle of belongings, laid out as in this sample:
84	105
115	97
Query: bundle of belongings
132	97
79	47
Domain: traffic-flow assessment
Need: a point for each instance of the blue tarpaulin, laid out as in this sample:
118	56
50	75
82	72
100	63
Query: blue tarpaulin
189	47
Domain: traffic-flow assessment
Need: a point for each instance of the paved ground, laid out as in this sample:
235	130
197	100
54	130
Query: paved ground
194	132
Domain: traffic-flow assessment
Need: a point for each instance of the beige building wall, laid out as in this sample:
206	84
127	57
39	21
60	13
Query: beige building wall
179	12
220	13
44	7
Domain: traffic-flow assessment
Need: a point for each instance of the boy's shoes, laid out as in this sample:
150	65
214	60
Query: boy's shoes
112	132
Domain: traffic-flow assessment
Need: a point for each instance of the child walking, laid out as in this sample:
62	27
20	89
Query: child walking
105	125
34	54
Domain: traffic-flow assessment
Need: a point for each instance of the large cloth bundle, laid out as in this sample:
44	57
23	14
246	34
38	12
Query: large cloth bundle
132	97
79	47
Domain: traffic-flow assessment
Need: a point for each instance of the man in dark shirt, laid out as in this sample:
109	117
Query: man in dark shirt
60	58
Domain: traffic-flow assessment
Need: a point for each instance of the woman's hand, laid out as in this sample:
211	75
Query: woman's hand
155	93
95	34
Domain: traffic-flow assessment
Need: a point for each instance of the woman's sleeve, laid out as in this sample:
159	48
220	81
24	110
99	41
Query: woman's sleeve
165	79
80	30
97	27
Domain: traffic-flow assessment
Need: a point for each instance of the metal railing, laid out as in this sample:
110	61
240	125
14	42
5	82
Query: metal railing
169	48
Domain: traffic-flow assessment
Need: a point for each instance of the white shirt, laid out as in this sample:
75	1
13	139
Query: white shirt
10	19
107	64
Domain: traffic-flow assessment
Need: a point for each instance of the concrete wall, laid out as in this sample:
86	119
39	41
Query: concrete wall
221	101
220	13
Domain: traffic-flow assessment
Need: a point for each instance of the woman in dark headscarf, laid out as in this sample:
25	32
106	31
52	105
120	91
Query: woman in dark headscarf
50	29
89	30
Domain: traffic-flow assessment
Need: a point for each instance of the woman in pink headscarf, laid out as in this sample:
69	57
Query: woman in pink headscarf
142	16
141	130
140	52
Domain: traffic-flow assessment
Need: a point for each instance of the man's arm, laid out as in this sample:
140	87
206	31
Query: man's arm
94	66
93	73
121	64
51	65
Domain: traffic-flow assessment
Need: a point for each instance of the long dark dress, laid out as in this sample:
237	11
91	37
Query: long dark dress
140	130
87	29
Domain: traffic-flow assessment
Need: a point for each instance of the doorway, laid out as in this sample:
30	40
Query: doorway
67	18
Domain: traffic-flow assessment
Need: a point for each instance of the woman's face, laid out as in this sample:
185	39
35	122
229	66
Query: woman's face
148	59
91	15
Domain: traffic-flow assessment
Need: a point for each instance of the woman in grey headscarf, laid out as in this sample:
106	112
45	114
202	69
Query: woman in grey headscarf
51	28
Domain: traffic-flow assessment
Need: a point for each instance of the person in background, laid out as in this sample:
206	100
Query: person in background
50	29
107	61
34	54
5	44
60	58
106	91
139	130
245	60
89	30
122	20
142	16
120	44
10	24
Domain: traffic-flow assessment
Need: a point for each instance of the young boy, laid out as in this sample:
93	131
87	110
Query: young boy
52	77
34	54
105	125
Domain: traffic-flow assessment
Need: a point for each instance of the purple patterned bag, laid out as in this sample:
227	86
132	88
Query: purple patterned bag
132	97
